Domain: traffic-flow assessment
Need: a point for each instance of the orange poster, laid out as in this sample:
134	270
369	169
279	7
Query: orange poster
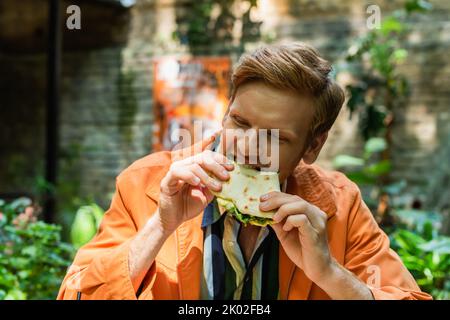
188	90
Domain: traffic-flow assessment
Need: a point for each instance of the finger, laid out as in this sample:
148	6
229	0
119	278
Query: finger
278	228
207	156
198	194
205	179
172	189
208	194
219	158
275	199
290	208
301	222
171	182
313	214
211	163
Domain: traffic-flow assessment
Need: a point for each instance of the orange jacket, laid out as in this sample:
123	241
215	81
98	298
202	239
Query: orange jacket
100	268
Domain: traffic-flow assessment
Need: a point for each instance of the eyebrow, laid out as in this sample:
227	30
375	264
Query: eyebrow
284	133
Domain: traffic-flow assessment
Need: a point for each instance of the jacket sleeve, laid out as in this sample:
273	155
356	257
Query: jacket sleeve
369	257
100	269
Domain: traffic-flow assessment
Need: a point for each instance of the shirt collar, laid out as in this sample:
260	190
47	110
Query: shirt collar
211	214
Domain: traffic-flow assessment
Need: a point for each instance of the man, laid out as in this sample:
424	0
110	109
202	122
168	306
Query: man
164	238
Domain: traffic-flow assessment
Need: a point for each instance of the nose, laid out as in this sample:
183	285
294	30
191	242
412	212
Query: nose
247	147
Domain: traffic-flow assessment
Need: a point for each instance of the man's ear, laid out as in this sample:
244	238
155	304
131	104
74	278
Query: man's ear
314	148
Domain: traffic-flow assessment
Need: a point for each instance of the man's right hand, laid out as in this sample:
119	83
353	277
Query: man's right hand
185	190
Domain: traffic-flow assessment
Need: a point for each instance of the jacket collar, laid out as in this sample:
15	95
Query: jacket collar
308	182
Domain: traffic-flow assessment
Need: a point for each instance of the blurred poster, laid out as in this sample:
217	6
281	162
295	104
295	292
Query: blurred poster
187	90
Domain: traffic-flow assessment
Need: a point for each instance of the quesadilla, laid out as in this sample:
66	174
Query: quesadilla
240	194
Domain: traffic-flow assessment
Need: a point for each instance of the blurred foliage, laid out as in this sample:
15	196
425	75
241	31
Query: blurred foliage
368	170
33	259
86	223
378	87
414	234
424	252
214	21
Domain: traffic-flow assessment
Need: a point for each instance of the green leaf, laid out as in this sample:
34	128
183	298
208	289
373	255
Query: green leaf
379	168
344	160
83	228
416	219
374	145
427	230
23	274
20	204
357	97
440	246
391	24
395	188
15	294
360	178
371	121
408	241
98	213
417	6
29	251
400	55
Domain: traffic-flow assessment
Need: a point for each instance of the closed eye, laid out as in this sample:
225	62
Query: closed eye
239	121
277	136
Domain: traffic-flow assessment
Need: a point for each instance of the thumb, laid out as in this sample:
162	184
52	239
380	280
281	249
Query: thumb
208	194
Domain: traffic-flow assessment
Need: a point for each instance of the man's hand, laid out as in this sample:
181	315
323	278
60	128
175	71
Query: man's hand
185	190
301	229
184	194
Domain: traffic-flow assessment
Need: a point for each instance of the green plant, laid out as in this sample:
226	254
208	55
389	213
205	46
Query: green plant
214	21
33	259
367	168
369	171
424	252
379	87
86	223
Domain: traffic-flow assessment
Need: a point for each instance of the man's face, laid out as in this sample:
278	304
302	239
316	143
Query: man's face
257	106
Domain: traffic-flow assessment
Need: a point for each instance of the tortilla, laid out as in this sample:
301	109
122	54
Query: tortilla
240	194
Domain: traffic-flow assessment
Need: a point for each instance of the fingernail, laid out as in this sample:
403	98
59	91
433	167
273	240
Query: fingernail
216	183
196	180
264	197
224	173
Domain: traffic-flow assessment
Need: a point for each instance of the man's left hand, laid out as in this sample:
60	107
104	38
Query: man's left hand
301	228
